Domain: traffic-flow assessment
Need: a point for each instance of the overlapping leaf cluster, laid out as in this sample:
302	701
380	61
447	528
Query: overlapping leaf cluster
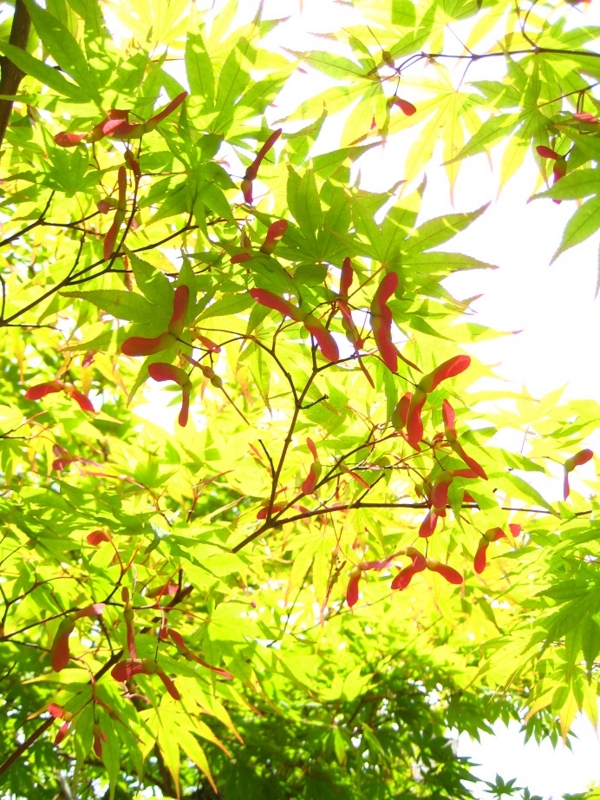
326	569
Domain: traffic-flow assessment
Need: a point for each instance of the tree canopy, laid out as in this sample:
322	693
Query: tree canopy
333	561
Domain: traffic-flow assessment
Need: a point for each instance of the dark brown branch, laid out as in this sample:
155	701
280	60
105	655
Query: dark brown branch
318	512
11	74
40	221
25	745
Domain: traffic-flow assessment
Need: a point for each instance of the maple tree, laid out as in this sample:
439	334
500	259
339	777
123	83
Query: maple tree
331	563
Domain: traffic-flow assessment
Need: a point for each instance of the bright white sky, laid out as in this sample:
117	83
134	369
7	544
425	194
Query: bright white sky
553	306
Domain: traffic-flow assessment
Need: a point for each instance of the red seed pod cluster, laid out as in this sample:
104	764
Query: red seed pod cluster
161	371
419	563
408	415
116	125
427	384
325	340
381	316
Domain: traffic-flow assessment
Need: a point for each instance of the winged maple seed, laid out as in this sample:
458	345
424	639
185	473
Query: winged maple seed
42	389
582	457
142	346
252	170
63	457
449	418
110	239
400	414
407	108
99	738
585	116
190	656
130	667
560	164
325	340
181	301
491	535
268	509
60	654
166	590
128	616
168	372
97	537
310	482
438	498
365	566
275	233
58	712
346	278
429	524
116	126
381	321
207	344
352	590
428	383
106	204
447	572
404	576
348	323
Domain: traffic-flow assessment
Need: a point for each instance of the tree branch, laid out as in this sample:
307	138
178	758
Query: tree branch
11	74
25	745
